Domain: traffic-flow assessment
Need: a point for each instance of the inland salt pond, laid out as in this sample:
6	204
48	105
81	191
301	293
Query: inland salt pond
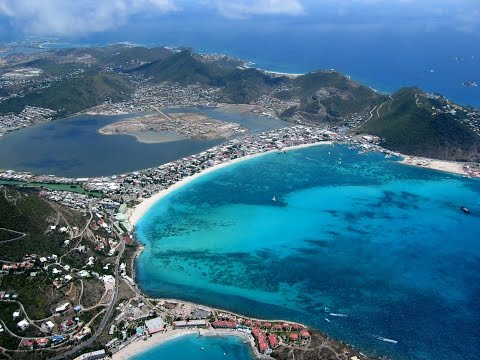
199	348
375	253
72	147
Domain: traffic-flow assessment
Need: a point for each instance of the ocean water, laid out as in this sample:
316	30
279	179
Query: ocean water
385	245
190	347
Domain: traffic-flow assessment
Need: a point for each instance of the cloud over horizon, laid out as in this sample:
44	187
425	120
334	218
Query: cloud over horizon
245	8
77	18
80	18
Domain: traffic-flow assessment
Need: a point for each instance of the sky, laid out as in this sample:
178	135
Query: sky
81	19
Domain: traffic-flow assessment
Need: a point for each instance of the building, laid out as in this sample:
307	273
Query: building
41	342
22	325
293	337
305	334
48	326
94	355
155	325
192	323
224	325
200	314
62	308
26	344
272	339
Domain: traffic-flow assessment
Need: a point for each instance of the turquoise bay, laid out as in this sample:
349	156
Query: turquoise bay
360	235
190	347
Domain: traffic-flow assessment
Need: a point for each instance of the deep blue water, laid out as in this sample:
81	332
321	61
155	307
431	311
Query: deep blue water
72	147
385	53
190	347
360	235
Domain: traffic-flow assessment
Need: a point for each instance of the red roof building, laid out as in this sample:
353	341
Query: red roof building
258	323
294	336
262	346
278	327
262	343
26	344
268	325
224	324
249	322
305	334
272	339
296	327
286	325
255	332
42	342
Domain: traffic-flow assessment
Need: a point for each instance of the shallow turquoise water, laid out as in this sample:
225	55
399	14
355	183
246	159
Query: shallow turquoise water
359	235
190	347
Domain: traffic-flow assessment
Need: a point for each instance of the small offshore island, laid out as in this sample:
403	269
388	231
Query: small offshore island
80	251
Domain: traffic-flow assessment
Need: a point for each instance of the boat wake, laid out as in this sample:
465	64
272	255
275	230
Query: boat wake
391	341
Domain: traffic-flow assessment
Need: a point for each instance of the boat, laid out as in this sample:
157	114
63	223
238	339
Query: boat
327	320
274	199
386	340
202	348
338	315
465	210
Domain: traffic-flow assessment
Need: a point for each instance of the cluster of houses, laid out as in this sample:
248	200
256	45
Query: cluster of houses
41	343
28	262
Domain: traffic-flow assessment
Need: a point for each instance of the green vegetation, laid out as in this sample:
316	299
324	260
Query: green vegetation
334	93
74	95
24	211
52	186
409	124
37	294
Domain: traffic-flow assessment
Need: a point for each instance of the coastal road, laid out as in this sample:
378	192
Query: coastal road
107	315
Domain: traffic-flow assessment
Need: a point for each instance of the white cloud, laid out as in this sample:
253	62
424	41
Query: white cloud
76	17
245	8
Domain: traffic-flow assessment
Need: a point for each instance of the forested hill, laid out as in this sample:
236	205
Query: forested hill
416	123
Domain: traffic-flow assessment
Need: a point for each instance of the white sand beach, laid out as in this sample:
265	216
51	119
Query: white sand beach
440	165
140	345
140	210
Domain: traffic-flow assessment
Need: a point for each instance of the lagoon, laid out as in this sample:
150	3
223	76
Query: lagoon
72	147
384	244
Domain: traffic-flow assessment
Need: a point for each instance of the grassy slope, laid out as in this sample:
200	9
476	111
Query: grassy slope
30	216
412	129
74	95
349	97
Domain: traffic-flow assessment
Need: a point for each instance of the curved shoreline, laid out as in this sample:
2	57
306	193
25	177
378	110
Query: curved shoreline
141	209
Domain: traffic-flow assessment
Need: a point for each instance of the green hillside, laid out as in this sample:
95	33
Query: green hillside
334	93
415	124
26	212
74	95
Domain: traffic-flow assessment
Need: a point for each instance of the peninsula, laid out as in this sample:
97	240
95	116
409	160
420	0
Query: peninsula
178	125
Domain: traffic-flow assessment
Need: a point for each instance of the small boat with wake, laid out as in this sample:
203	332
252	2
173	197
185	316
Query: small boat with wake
465	210
274	199
391	341
338	315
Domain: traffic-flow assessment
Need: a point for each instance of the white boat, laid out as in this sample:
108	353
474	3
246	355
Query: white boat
274	199
386	340
338	315
327	320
